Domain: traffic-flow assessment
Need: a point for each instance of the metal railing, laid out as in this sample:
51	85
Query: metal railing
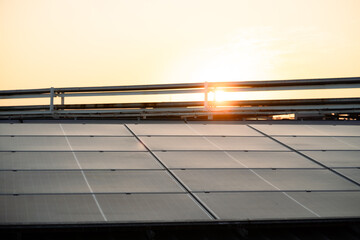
205	108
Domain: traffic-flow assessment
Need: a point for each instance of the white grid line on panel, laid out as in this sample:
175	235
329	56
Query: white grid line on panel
262	178
83	174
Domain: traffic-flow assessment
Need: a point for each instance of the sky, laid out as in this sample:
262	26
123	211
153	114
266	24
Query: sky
74	43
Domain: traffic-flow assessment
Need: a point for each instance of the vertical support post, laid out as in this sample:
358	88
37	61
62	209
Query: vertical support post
206	91
62	98
206	100
52	93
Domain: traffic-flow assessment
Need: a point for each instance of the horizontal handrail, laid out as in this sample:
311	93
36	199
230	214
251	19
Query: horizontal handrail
195	108
242	84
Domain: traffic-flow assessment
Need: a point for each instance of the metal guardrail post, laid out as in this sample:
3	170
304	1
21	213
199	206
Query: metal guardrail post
206	100
52	94
62	99
206	91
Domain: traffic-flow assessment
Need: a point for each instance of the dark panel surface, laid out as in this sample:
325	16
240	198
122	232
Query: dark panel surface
321	143
330	204
352	173
178	143
161	129
42	182
37	160
150	207
117	160
306	180
246	143
30	129
223	130
308	130
197	160
287	129
96	129
211	143
34	144
222	180
48	209
131	181
254	205
105	144
336	158
273	160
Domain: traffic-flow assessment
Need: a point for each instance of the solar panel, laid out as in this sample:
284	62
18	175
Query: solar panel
254	205
287	129
336	158
34	143
37	160
117	160
308	130
150	207
104	144
196	159
300	179
131	181
30	129
223	130
49	209
222	180
352	173
234	159
321	143
330	204
21	182
95	129
175	172
211	143
273	160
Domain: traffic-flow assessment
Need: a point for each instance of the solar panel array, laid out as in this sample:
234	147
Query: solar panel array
99	173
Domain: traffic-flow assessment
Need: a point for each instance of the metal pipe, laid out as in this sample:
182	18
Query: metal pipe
244	84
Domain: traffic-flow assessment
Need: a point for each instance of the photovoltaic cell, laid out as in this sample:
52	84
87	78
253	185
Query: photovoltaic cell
178	143
211	143
352	173
45	209
42	182
288	129
330	204
223	130
193	129
34	144
95	129
308	130
117	160
273	160
246	143
321	143
131	181
206	159
150	207
37	160
30	129
222	180
234	159
338	130
306	180
254	206
161	129
105	144
336	158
